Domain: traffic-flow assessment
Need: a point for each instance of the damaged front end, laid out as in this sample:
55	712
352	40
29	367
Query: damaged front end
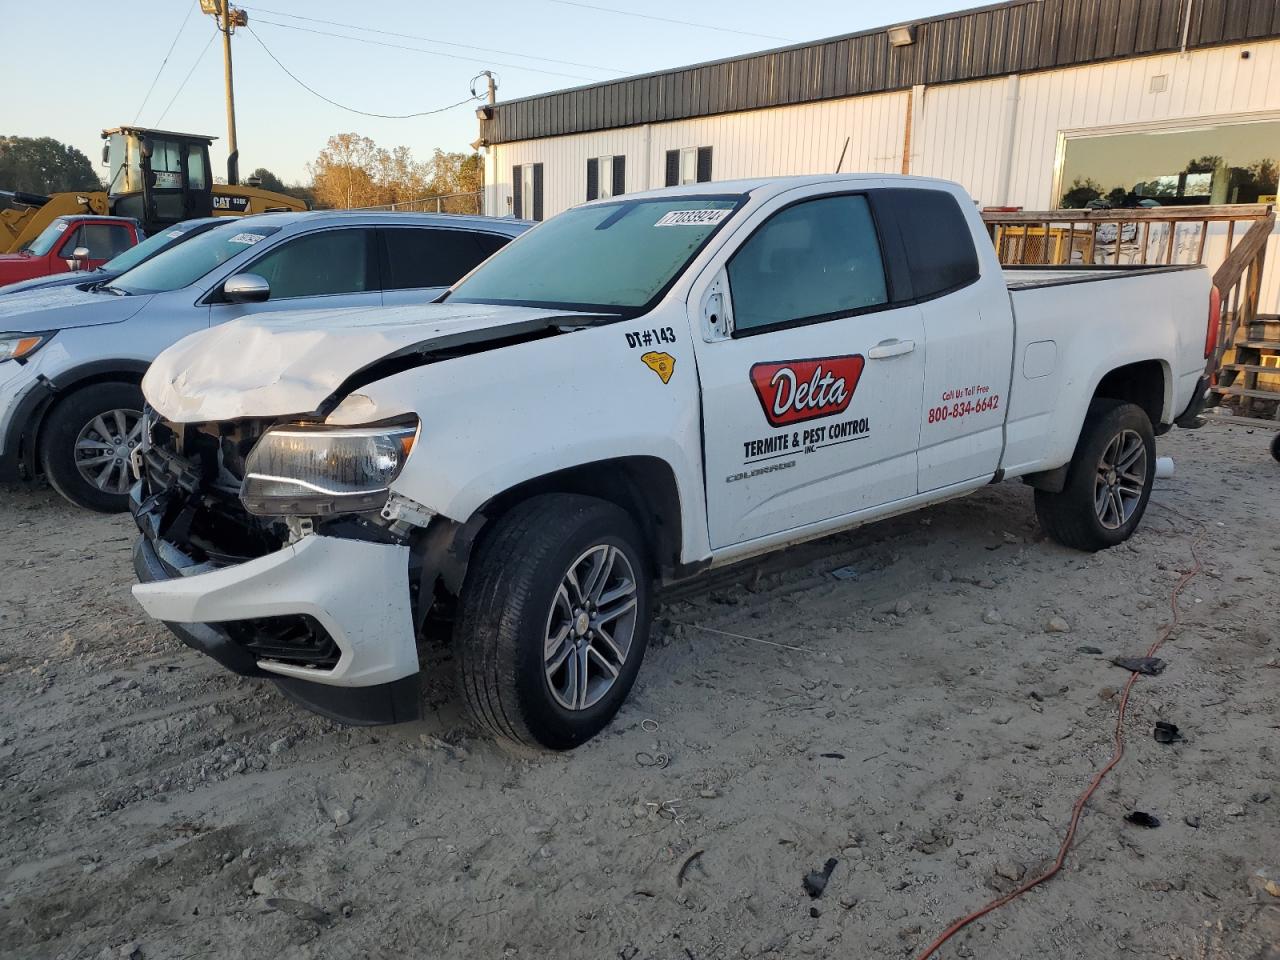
278	549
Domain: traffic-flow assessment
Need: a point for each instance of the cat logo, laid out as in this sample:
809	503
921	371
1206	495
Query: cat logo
663	364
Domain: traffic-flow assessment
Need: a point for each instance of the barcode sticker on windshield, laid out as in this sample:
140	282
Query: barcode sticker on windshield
247	238
62	225
173	234
691	218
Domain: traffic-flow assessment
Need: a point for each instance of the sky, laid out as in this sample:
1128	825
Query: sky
104	67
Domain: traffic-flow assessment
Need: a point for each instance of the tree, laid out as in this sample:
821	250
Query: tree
353	171
44	165
268	180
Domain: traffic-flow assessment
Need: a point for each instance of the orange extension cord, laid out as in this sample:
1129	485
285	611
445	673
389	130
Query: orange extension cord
1078	809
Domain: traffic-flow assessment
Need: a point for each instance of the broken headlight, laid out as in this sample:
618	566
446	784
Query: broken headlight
315	471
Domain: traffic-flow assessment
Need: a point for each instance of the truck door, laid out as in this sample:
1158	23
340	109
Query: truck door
811	397
968	331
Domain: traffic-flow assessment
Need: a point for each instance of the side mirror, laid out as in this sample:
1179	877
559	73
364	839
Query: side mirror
79	258
246	288
106	154
145	147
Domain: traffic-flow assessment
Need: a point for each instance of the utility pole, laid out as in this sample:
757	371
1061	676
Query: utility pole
228	18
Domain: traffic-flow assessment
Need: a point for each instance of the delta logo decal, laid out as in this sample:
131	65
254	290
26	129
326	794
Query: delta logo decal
792	391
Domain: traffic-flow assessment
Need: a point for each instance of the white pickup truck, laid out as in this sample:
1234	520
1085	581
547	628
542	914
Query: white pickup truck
634	391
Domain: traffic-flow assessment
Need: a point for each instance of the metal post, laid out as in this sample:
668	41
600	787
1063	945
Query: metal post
233	153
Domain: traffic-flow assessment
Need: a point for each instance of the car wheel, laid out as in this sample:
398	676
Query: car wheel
553	620
1108	481
1275	446
85	445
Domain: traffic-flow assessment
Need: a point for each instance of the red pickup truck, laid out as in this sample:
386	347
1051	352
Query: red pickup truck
96	239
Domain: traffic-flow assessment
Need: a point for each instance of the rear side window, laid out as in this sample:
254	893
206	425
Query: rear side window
938	240
815	260
318	264
414	257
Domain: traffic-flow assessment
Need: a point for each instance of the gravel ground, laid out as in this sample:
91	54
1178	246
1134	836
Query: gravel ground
926	719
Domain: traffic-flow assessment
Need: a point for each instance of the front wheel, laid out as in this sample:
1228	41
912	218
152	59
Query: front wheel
86	442
553	620
1108	482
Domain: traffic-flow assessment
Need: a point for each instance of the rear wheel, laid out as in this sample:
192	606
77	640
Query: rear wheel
1275	446
553	620
86	443
1108	482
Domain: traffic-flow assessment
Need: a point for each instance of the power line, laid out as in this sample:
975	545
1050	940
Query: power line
363	113
447	43
212	37
190	7
683	23
430	53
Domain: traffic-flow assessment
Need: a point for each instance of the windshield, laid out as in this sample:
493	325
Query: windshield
149	247
50	235
613	257
185	263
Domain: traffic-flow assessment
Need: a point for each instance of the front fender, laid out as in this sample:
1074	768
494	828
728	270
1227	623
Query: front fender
494	420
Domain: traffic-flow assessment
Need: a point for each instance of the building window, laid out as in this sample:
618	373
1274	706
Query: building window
1210	163
688	165
606	177
526	191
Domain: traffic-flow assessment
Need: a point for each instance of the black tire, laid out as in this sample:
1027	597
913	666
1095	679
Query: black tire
1071	517
59	435
506	602
1275	446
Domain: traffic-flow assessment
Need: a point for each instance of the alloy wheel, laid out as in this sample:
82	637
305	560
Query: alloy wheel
590	627
103	447
1121	479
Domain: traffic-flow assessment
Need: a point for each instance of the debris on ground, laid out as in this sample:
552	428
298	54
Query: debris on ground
1166	732
1149	666
1140	818
815	881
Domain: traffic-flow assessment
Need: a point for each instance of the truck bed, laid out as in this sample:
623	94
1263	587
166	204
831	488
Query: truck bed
1030	277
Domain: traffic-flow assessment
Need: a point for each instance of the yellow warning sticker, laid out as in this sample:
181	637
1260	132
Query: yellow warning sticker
663	364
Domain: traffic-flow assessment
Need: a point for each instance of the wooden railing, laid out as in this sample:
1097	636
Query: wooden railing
1238	282
1146	235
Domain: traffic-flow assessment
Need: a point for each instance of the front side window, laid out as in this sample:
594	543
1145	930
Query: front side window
184	264
414	258
614	257
104	240
818	259
318	265
1211	163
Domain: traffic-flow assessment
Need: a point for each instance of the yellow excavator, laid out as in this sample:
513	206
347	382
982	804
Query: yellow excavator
157	177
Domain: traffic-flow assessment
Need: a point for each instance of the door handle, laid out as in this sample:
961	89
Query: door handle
890	348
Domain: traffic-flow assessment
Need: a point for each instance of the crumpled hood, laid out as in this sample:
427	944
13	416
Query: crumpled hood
64	307
281	364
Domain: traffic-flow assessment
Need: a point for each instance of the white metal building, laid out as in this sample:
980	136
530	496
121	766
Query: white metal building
1035	103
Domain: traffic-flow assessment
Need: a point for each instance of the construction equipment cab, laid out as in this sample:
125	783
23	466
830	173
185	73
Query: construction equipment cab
157	177
161	178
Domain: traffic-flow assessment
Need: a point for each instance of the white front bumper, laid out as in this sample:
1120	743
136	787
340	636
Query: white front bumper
358	591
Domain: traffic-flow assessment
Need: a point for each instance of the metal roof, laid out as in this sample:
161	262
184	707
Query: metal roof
1014	37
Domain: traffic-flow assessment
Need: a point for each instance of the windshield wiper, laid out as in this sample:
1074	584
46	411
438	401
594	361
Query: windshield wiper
111	288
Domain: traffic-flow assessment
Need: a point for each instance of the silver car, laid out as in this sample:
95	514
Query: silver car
71	360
